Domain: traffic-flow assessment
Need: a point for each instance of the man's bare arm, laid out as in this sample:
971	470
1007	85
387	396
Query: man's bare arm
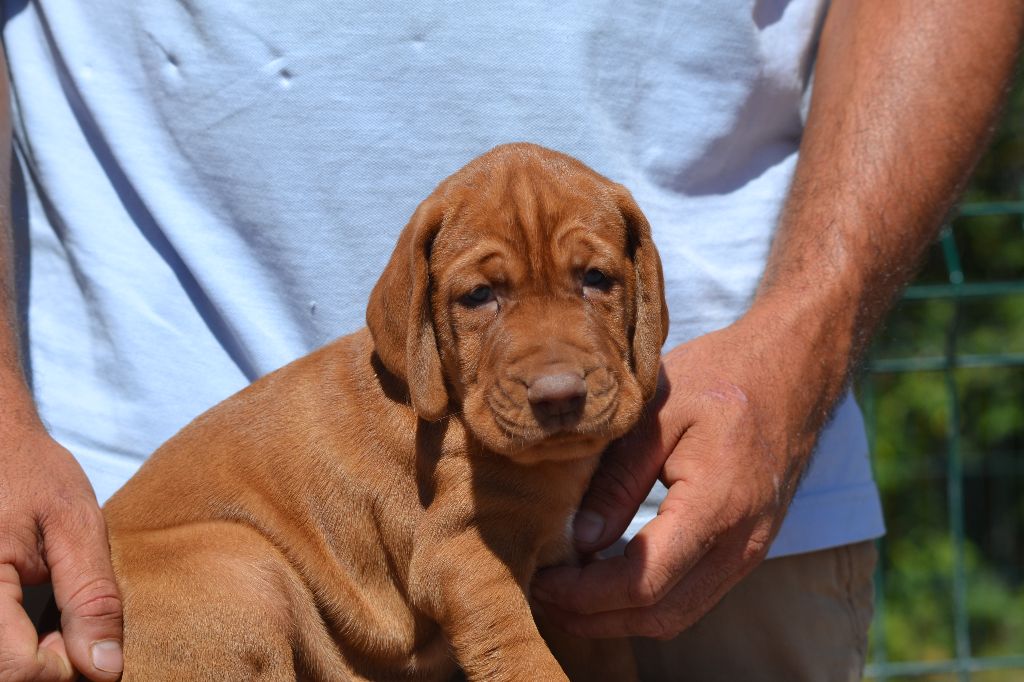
905	97
50	525
905	100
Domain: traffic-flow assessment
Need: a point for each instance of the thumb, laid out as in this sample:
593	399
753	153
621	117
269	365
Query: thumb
622	481
83	584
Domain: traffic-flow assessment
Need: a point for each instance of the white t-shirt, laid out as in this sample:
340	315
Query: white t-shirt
207	190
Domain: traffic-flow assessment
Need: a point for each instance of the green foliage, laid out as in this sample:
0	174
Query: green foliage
926	425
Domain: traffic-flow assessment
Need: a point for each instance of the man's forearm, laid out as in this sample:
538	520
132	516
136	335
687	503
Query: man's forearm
905	96
16	406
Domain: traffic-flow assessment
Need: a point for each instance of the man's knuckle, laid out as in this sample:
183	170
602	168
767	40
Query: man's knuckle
98	599
656	624
649	587
642	594
20	546
756	547
101	609
77	516
92	521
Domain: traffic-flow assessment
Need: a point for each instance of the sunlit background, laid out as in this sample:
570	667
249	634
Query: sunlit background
944	401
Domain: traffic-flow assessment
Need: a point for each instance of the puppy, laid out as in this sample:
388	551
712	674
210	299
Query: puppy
375	510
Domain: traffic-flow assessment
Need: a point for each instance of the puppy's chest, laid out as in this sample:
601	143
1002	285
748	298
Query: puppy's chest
559	549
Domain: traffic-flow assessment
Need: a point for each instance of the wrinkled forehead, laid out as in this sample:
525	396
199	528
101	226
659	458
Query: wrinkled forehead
531	208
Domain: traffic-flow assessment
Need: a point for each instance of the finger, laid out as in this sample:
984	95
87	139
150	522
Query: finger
626	475
694	596
85	591
653	562
22	656
54	643
583	589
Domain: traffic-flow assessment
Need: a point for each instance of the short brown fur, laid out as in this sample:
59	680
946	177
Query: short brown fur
376	509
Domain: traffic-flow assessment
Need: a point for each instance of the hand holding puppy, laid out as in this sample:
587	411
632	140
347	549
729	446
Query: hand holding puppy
729	435
52	529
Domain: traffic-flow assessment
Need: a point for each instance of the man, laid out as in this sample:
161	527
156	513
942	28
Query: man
203	193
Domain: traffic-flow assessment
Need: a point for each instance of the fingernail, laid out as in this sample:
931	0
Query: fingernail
587	527
106	656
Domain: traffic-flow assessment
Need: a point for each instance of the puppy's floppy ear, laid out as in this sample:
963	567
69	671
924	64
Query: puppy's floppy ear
400	318
650	328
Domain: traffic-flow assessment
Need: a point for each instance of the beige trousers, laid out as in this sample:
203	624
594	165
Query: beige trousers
797	618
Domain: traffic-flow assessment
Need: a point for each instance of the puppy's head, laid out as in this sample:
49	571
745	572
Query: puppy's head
526	294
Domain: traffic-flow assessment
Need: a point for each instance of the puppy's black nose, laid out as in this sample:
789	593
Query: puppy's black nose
557	399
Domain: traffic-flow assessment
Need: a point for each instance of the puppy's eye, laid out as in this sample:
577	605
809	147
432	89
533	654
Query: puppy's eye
478	296
596	279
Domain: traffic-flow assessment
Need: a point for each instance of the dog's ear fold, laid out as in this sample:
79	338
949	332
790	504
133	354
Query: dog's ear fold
400	317
650	326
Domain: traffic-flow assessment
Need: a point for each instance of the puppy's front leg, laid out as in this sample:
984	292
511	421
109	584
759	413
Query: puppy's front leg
479	603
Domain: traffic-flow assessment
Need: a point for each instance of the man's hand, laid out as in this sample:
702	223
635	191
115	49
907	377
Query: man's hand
52	528
729	437
891	136
50	525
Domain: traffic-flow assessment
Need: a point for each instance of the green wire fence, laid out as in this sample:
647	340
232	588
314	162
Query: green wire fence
943	399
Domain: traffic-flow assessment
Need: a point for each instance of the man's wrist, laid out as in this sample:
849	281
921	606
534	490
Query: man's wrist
17	409
813	339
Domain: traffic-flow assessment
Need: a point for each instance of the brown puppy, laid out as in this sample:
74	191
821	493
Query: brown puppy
380	505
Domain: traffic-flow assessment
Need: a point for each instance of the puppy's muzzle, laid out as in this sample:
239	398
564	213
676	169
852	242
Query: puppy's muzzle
557	398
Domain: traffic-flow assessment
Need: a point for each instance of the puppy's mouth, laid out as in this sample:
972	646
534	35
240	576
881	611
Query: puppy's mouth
561	410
